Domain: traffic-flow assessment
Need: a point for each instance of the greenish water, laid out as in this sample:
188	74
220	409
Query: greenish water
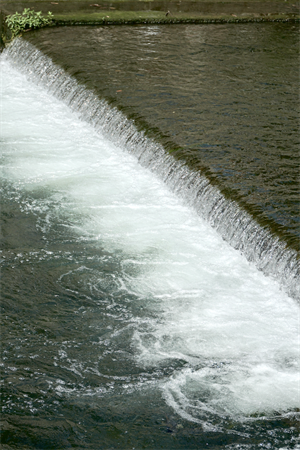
127	321
227	96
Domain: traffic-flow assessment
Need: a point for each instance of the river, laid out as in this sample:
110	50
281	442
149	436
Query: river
128	321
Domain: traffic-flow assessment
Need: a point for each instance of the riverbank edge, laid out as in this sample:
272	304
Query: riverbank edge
148	17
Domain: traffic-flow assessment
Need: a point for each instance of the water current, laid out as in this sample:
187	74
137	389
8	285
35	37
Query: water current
128	321
225	98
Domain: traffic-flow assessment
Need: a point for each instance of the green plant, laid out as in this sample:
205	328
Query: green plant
28	19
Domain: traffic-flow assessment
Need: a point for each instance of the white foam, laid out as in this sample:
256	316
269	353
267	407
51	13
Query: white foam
236	332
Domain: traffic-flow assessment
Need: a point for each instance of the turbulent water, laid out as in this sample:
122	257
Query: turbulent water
223	98
128	321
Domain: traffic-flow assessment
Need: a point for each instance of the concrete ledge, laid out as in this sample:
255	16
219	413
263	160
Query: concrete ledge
121	12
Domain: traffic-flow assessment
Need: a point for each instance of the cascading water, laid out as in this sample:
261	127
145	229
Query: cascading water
120	295
234	225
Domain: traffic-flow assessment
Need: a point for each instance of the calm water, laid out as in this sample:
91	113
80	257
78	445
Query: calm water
227	96
127	322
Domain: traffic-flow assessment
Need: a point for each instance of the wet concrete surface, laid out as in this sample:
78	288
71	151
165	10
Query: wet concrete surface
119	11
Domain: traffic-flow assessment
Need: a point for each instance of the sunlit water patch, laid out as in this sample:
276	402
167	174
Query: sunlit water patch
114	289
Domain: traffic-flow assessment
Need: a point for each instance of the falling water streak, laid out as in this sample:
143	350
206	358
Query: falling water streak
236	226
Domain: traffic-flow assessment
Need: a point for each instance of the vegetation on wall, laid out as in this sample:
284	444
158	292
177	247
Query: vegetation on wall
27	20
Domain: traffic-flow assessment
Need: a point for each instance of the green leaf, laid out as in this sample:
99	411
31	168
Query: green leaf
28	19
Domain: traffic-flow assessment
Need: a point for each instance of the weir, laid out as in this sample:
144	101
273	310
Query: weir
128	319
236	226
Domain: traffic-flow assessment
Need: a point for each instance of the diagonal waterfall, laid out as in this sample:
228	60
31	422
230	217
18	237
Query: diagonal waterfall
127	319
236	226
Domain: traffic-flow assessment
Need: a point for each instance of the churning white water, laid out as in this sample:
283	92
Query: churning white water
238	332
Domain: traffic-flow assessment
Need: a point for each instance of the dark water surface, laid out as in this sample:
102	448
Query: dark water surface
226	95
127	321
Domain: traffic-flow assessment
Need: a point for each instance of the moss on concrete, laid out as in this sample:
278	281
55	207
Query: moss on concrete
118	12
133	17
108	16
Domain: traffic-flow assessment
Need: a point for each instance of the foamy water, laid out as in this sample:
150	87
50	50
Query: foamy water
234	332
